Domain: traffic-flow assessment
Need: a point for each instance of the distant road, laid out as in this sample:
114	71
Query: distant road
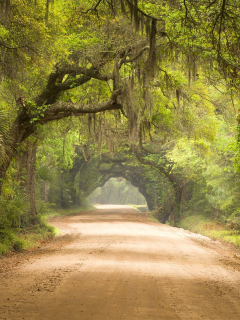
113	263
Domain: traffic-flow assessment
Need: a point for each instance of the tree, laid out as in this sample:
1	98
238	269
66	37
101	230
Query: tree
168	76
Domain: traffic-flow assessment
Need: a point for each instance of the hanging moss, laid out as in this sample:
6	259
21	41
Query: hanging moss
178	97
151	62
147	27
94	123
123	9
110	144
130	101
99	136
130	9
136	17
141	23
90	124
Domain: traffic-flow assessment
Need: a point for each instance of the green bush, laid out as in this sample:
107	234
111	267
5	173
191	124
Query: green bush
211	228
6	235
14	213
3	248
9	241
44	208
18	244
234	224
16	231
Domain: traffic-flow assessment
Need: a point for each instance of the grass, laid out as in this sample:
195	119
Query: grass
152	218
140	208
68	211
210	228
28	238
32	237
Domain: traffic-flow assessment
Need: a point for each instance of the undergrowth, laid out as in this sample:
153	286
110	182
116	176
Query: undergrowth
17	239
74	210
17	234
213	229
152	218
141	208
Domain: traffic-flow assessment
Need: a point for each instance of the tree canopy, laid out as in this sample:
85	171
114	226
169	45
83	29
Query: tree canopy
143	90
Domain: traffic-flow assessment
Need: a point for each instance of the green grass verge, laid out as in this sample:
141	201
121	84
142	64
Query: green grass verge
140	208
27	238
212	229
31	237
152	218
69	211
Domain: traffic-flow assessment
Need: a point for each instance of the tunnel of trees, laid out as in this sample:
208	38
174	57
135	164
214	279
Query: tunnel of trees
94	90
117	191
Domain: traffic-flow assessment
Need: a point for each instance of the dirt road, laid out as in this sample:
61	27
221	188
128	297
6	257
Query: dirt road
115	264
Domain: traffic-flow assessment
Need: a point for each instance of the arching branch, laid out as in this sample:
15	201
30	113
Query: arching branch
142	12
59	110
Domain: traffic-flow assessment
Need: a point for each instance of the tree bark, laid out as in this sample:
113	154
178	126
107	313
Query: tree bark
176	181
147	198
27	173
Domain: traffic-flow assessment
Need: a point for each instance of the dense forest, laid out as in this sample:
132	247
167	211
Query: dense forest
145	91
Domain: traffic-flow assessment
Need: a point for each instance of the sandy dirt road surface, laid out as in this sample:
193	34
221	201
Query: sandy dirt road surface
116	264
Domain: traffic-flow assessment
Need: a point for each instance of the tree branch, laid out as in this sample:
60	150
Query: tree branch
142	12
55	85
137	55
59	110
93	72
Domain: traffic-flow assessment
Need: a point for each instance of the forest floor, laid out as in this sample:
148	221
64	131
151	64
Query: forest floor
113	263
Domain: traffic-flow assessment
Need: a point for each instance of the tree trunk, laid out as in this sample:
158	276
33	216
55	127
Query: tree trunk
147	198
178	198
47	10
27	175
30	190
3	170
162	213
62	191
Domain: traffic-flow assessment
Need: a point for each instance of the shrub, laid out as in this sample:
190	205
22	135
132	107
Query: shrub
14	212
18	244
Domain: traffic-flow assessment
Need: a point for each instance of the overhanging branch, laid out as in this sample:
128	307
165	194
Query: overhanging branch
60	110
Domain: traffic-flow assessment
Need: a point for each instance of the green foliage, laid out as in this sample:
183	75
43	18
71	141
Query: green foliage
17	239
4	135
185	113
73	210
152	218
18	244
14	212
116	191
211	228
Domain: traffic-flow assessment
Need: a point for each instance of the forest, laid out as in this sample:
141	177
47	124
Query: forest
143	91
